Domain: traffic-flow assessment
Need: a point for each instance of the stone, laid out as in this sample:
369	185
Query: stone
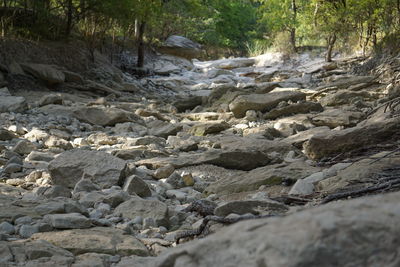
56	142
302	187
57	191
24	147
203	129
104	116
262	102
101	168
40	156
46	73
85	185
68	221
236	159
335	117
13	167
95	240
268	176
56	99
27	230
351	138
256	207
13	104
175	179
343	97
164	172
6	135
33	253
144	208
187	103
163	129
181	46
7	228
295	108
354	224
135	185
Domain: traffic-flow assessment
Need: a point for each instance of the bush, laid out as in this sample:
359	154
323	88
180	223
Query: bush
257	47
282	44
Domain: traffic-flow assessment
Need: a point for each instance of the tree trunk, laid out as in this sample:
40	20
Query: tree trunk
331	43
293	29
140	42
69	18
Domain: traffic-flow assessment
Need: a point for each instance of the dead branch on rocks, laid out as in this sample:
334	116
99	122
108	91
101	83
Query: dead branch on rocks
388	179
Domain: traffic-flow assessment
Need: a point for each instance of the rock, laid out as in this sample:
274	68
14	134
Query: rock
95	240
354	224
350	138
13	167
56	142
57	191
135	185
255	207
361	172
185	145
164	172
295	108
163	129
262	102
335	117
36	135
235	159
27	230
144	208
55	99
24	147
302	188
101	168
72	77
85	185
187	103
7	228
40	156
104	116
68	221
6	135
268	176
13	104
95	259
46	73
33	253
181	46
343	97
175	179
203	129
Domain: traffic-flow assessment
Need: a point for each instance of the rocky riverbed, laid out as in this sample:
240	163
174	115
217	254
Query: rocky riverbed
103	169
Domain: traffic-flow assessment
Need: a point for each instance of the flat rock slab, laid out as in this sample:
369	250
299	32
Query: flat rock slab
12	104
103	169
203	129
302	238
336	117
104	116
137	206
235	159
334	142
95	240
68	221
46	73
262	102
255	207
33	253
268	175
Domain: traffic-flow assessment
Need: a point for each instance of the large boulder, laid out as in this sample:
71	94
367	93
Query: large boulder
95	240
230	159
103	169
104	116
46	73
181	46
262	102
338	234
9	103
137	206
334	142
268	176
